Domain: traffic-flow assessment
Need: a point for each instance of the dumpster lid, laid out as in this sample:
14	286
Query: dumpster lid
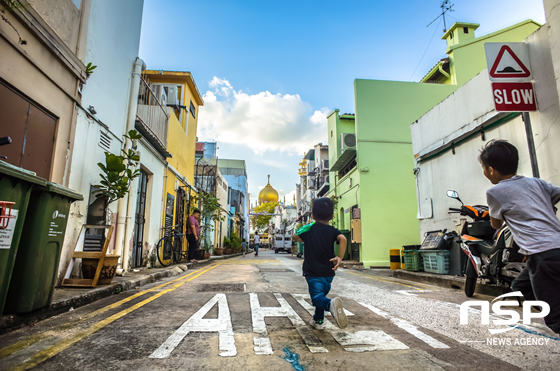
18	172
61	190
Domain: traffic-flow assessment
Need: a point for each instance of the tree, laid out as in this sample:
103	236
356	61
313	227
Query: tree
260	222
118	173
210	211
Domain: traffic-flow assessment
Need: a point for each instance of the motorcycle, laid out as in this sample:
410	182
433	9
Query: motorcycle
492	254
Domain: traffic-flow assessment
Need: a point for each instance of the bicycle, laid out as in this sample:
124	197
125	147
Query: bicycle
170	247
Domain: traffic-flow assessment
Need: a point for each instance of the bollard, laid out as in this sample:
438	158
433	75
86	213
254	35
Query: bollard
402	259
395	258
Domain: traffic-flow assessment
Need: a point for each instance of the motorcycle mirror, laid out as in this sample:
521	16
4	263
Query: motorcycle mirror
455	195
452	194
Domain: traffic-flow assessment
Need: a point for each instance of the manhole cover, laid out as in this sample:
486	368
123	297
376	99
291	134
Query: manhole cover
221	287
275	270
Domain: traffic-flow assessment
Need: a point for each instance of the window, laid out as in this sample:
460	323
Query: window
465	29
191	108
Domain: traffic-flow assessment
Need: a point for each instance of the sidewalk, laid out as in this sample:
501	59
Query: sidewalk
67	298
451	282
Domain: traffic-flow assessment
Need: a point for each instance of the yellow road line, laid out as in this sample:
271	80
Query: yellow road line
38	337
64	344
386	281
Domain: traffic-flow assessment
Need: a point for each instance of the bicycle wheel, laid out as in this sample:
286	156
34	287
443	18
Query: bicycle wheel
177	248
164	251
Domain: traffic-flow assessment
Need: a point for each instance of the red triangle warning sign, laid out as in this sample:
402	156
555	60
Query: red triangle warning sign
508	65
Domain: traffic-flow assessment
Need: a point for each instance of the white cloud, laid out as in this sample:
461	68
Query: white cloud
262	121
290	197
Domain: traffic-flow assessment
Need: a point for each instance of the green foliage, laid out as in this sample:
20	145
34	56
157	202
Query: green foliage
12	5
210	213
227	243
235	241
89	68
260	222
118	172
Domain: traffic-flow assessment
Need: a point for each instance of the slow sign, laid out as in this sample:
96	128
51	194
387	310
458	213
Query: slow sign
514	96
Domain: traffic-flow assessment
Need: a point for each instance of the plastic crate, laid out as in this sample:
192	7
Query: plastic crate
435	261
412	260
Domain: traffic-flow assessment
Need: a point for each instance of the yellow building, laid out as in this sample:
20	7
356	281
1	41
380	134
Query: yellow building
179	91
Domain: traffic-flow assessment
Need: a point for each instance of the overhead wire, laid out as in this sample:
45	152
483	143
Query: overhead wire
425	51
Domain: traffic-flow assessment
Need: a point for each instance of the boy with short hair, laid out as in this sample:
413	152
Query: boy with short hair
527	207
318	268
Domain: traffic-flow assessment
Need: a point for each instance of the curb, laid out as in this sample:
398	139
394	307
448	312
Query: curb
12	322
450	282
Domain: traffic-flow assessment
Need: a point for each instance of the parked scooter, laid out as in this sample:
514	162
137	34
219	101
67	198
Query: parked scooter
492	255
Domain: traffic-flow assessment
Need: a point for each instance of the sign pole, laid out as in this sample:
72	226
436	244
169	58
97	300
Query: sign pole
531	144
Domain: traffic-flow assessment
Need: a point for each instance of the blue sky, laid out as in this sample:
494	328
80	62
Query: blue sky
270	71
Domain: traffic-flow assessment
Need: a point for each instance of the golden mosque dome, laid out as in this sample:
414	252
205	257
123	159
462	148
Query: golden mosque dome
268	193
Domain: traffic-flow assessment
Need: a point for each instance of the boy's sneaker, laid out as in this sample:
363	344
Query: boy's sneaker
337	312
319	325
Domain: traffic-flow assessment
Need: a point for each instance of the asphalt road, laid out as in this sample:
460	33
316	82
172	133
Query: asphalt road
251	313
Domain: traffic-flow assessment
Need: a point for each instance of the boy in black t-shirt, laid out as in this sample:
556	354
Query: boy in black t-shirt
318	267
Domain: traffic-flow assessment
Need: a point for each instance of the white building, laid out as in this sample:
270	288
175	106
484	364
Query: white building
314	179
109	101
447	139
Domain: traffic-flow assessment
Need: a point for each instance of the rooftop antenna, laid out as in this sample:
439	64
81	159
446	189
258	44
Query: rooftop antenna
445	7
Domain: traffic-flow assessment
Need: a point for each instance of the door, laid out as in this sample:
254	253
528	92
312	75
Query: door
32	131
139	220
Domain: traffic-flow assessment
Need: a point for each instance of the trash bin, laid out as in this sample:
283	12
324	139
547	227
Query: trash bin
15	187
346	234
299	249
36	264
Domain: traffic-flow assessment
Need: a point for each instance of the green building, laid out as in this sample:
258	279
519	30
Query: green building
372	176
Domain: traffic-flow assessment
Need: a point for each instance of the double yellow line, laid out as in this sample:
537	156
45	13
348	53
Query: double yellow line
64	344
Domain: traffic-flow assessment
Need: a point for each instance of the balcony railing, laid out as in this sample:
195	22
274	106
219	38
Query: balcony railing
152	118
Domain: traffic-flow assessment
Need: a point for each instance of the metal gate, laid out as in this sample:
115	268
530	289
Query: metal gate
139	220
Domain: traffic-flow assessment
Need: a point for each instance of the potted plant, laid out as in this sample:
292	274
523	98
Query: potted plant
227	246
218	251
235	243
207	250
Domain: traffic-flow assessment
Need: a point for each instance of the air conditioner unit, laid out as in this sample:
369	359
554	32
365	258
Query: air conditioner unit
172	95
163	98
347	141
325	164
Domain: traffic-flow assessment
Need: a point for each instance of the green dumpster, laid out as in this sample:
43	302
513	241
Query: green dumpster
15	186
346	234
36	265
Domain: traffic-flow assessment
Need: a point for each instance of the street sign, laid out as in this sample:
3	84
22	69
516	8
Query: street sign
508	62
514	96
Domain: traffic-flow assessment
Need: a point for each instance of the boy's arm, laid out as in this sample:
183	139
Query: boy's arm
554	193
341	250
496	223
296	238
495	209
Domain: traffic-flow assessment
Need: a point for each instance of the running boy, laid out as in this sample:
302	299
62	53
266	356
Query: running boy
319	259
527	207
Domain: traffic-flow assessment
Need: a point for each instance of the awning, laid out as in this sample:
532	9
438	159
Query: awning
346	156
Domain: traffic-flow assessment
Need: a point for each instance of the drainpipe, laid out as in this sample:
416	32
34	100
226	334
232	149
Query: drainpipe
440	68
123	233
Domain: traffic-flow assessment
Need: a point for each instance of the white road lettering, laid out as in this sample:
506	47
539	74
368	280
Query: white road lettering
367	341
222	325
262	341
408	327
